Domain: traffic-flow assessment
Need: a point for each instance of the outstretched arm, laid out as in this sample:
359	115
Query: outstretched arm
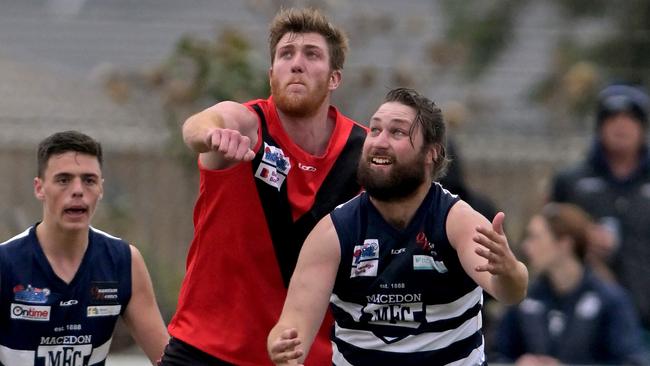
309	292
484	252
223	134
142	315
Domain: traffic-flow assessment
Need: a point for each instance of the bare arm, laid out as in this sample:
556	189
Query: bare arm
142	315
484	252
223	134
309	292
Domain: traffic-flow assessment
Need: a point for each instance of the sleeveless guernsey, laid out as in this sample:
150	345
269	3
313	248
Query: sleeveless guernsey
250	221
401	297
47	322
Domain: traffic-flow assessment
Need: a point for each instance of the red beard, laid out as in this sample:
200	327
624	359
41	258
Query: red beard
297	105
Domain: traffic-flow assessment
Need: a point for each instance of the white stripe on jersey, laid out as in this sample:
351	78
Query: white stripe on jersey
104	233
16	357
351	308
477	357
455	308
337	357
21	235
100	353
414	343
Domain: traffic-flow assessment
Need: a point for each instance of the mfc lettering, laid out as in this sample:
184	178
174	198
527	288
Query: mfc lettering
65	355
394	314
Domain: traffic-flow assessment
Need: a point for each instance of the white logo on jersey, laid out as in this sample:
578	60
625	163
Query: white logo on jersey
402	315
307	168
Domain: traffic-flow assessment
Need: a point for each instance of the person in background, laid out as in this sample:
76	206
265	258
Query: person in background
570	315
269	170
613	185
63	283
404	264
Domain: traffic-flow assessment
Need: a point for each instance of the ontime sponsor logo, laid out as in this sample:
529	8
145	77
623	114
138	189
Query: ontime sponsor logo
30	312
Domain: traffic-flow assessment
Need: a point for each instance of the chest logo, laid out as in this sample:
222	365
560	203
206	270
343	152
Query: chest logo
30	312
365	259
103	310
274	167
425	262
104	293
32	295
307	168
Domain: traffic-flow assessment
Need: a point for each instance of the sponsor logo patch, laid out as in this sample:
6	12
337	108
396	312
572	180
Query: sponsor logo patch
32	295
30	312
103	310
102	293
423	242
365	259
274	167
425	262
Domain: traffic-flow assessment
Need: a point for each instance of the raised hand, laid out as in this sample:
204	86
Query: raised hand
495	248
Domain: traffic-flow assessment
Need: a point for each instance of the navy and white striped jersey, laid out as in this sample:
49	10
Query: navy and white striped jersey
45	321
401	297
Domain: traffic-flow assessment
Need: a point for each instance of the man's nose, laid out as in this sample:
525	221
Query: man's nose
77	187
297	64
381	139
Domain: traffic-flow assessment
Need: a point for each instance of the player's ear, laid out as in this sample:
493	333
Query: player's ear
38	189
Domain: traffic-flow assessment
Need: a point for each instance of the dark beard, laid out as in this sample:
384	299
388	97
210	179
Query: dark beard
299	106
401	182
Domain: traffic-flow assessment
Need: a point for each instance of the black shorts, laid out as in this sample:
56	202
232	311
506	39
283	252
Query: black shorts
179	353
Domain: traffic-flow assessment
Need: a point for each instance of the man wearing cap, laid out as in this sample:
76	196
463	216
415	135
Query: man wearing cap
613	185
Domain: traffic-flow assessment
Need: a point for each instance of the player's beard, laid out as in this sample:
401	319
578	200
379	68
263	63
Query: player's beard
299	105
401	181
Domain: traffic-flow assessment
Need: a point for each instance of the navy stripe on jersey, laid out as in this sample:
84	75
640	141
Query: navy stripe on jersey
402	296
46	321
339	186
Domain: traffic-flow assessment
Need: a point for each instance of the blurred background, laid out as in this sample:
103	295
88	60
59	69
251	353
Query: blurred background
516	80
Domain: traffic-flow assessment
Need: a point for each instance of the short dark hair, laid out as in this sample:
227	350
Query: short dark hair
62	142
429	117
307	21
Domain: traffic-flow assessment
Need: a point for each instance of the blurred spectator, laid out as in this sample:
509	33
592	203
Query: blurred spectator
613	185
570	315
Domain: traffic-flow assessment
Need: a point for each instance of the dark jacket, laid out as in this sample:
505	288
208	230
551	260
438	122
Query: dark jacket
594	324
623	205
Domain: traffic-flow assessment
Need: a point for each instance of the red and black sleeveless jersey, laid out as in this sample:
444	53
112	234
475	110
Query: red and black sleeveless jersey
250	221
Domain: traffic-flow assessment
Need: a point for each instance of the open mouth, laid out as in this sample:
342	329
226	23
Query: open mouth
75	210
381	160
